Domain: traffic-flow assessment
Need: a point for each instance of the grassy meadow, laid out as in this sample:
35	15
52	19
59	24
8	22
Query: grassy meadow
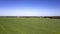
29	26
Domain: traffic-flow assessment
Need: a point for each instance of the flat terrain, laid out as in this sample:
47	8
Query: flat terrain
29	26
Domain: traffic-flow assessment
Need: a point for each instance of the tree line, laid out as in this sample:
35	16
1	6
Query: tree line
51	17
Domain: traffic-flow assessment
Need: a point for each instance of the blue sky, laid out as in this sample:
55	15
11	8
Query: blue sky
29	8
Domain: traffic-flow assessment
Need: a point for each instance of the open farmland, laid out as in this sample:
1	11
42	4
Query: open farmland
29	26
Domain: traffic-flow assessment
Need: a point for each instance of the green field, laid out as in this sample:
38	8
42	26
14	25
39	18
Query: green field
29	26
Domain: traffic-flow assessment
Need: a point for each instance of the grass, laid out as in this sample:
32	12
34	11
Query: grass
29	26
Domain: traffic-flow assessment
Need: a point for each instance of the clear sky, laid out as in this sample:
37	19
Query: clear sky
29	8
